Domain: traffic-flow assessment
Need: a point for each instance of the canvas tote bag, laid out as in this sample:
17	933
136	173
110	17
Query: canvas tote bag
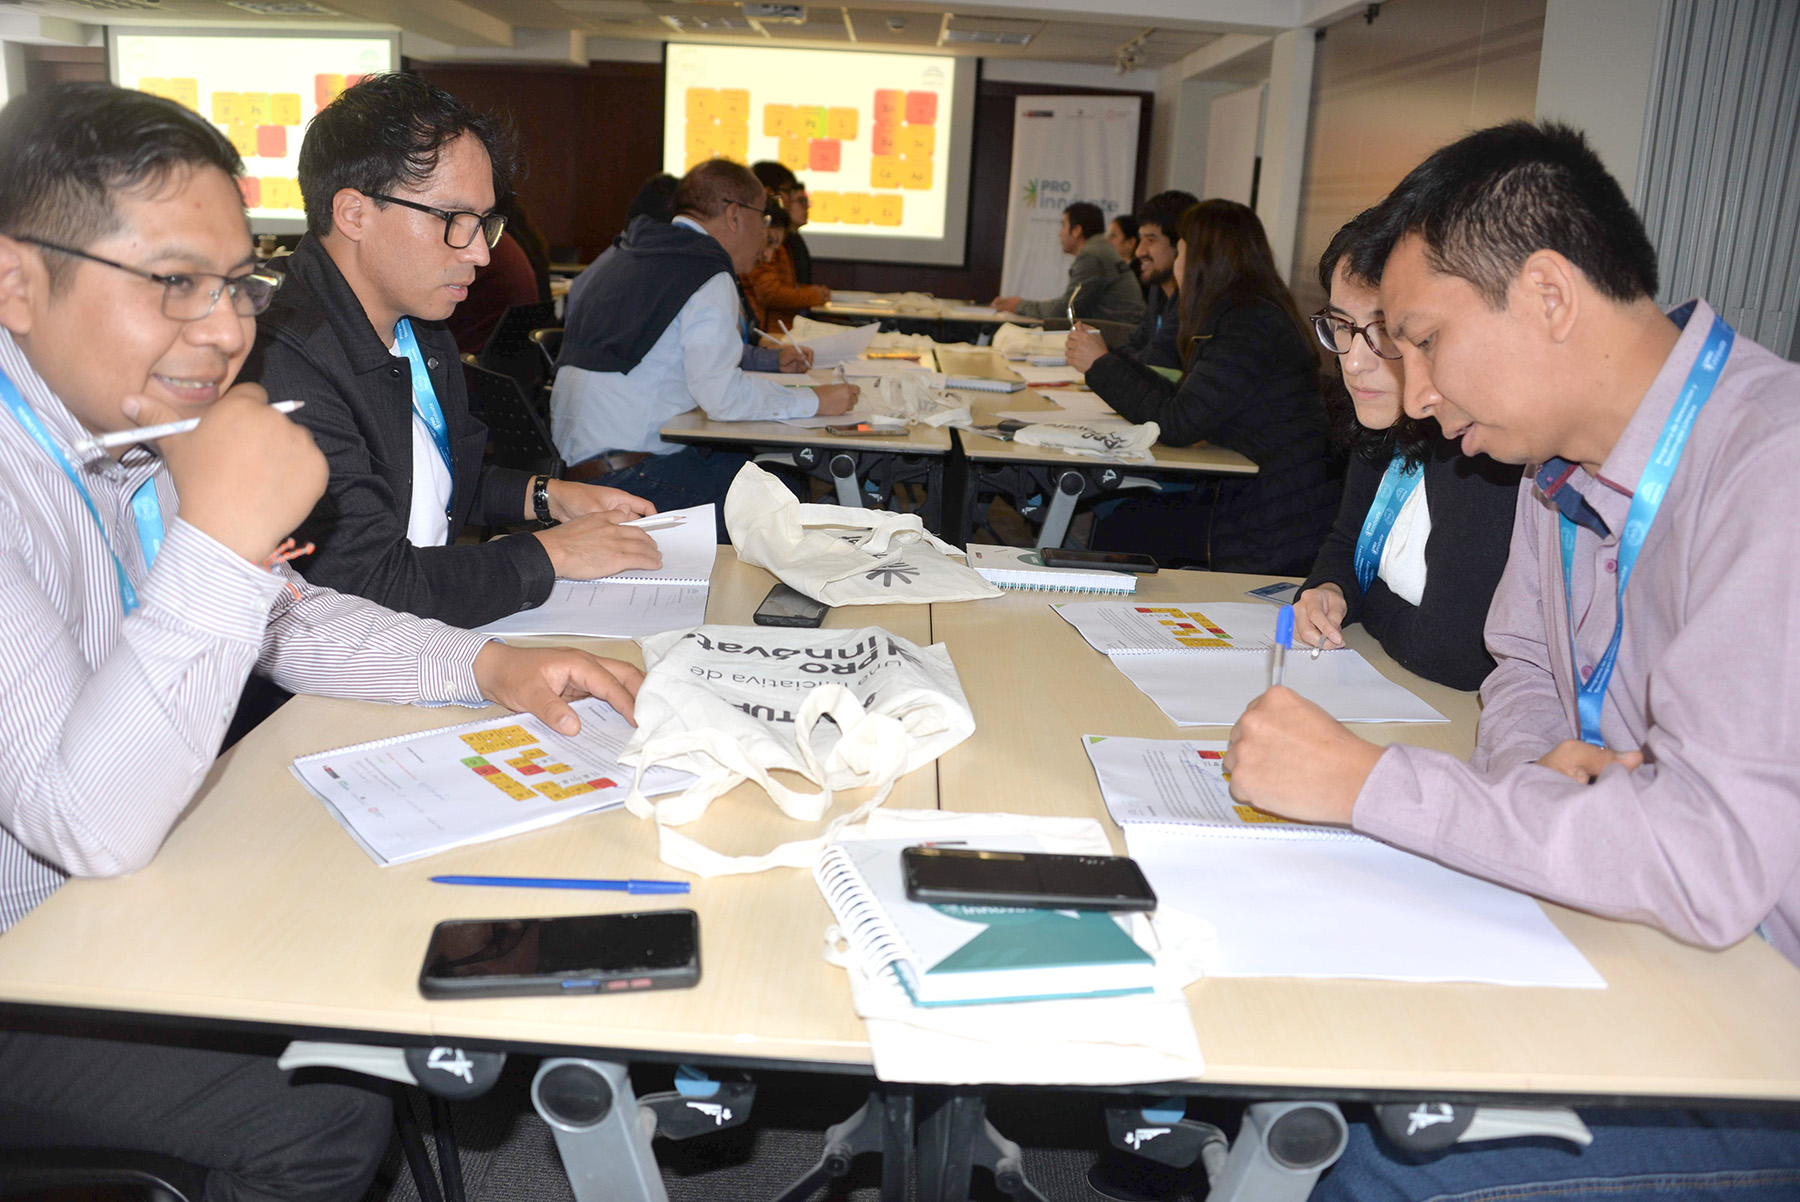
842	709
843	556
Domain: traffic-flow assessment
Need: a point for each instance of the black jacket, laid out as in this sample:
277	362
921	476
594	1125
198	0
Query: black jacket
1153	342
1252	386
627	297
1471	501
315	344
801	255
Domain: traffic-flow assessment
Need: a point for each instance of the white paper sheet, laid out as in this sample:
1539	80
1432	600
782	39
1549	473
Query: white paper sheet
1046	377
1169	625
1287	907
1213	688
408	797
866	368
1178	780
689	542
857	414
849	342
601	609
1080	404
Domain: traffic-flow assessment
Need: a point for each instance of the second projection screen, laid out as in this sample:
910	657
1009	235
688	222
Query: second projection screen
869	134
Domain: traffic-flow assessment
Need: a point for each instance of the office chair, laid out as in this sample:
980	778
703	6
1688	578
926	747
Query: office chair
509	348
520	437
549	341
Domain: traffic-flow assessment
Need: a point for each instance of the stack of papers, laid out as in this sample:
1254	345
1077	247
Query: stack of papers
1203	663
417	795
632	604
1293	900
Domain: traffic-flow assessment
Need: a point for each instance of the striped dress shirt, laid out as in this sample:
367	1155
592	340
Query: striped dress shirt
109	723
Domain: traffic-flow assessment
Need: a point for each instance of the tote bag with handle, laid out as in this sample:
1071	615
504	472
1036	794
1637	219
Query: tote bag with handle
840	709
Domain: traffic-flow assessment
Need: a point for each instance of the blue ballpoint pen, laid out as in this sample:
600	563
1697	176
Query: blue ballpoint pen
557	882
1284	634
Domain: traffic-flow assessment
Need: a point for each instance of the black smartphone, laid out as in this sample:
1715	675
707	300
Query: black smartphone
865	429
786	606
1037	880
1109	561
589	953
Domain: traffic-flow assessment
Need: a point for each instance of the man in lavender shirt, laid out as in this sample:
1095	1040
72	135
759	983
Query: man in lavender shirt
1519	284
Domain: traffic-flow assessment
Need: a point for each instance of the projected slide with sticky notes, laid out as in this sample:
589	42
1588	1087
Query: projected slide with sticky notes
261	91
870	134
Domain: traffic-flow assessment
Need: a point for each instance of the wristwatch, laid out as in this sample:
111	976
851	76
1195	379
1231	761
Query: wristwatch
540	499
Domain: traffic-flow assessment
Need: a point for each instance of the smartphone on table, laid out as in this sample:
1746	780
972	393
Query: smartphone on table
950	875
588	953
866	429
1108	561
785	606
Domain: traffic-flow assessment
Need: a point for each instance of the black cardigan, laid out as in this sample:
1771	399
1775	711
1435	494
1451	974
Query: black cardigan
1252	386
315	344
1471	500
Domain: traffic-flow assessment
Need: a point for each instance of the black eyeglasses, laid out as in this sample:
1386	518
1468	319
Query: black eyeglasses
185	296
759	210
461	225
1338	335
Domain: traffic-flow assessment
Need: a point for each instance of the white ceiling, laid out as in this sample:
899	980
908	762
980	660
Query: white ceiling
1071	31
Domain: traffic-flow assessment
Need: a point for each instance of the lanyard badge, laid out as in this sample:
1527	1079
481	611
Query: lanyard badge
1397	484
425	401
146	510
1646	501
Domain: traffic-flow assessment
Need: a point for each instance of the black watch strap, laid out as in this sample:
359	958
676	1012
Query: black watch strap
540	499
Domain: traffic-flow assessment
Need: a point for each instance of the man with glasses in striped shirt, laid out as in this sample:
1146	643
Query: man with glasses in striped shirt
140	581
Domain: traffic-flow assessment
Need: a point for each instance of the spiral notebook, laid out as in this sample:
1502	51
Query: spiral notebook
982	384
628	605
1023	568
955	955
1204	662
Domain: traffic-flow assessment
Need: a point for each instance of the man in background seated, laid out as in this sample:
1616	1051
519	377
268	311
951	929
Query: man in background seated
1122	236
399	180
143	582
658	330
1101	284
1153	342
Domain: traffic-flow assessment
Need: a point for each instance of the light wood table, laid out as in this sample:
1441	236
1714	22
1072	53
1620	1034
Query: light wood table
1674	1022
918	455
1062	478
885	306
261	911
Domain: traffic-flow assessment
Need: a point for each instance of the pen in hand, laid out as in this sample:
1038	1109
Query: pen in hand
1284	634
1318	647
125	438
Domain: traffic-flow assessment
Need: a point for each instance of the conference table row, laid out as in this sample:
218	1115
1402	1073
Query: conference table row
261	914
960	470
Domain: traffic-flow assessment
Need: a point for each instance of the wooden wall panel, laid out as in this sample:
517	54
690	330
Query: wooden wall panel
588	136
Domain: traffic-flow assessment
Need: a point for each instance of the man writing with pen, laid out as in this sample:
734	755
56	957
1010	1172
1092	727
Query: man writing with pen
139	587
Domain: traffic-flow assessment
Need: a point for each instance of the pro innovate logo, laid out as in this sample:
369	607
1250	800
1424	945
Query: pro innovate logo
1046	193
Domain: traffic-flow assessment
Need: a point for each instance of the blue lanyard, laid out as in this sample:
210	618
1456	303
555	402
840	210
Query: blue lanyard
425	402
1397	485
1652	487
144	506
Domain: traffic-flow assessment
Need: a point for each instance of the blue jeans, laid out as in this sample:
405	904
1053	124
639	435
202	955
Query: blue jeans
690	476
1636	1156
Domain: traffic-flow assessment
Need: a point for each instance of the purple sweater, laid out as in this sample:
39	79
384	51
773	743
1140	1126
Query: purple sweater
1703	841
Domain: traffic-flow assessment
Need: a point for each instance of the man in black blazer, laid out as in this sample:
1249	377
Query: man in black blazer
400	183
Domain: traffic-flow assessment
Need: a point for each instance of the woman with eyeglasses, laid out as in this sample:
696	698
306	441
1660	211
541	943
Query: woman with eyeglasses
1251	385
1421	537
